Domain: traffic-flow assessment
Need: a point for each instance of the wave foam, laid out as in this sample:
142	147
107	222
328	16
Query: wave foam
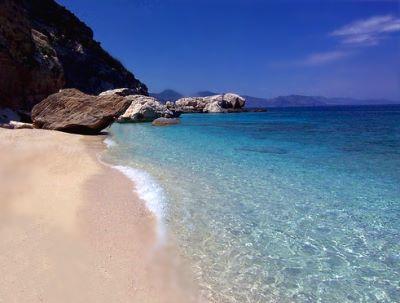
151	192
109	142
147	189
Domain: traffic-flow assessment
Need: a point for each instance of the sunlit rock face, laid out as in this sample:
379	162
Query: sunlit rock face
145	109
70	110
222	103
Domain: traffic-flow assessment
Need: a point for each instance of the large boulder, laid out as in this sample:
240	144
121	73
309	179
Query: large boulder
70	110
214	107
233	101
44	47
145	109
211	104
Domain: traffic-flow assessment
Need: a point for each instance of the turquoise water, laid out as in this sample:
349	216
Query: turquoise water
299	205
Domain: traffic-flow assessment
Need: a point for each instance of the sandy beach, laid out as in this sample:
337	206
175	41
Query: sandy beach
72	229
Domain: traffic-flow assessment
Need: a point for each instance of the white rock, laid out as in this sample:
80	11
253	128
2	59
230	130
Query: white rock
214	104
214	107
20	125
234	99
119	91
145	109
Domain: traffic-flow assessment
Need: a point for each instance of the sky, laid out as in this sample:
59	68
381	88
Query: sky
253	47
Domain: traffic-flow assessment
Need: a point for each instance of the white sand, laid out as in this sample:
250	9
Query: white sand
71	229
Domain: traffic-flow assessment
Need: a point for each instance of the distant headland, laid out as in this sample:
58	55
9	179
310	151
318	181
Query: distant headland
281	101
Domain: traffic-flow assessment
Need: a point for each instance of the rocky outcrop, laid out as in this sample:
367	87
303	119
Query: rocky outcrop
223	103
189	104
145	109
73	111
44	47
165	121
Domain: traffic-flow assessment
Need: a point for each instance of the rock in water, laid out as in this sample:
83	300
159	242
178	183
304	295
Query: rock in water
223	103
70	110
190	104
44	47
165	121
145	109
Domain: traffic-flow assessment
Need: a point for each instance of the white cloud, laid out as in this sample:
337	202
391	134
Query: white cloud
368	31
325	57
365	32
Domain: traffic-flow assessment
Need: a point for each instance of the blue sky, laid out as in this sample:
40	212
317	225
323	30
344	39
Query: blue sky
260	48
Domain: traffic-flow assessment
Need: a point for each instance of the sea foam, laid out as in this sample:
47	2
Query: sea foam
147	189
151	192
109	142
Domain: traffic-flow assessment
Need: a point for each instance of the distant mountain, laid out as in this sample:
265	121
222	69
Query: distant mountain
297	101
167	95
281	101
172	95
305	101
255	102
351	101
285	101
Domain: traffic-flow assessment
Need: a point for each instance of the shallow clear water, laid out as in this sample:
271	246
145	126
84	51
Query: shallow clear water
298	205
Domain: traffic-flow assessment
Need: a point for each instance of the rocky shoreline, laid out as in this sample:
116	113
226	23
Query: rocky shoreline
54	75
71	110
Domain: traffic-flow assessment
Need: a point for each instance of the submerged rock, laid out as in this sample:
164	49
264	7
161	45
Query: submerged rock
223	103
145	109
44	47
165	121
70	110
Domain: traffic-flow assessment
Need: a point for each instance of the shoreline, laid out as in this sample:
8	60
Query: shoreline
74	229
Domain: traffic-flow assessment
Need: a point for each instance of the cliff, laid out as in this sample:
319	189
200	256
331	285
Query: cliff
44	47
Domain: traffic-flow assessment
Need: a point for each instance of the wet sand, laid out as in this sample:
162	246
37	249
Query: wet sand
72	229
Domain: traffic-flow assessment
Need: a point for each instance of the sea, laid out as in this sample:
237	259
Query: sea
288	205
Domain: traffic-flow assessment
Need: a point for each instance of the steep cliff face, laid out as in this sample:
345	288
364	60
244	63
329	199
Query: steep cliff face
44	47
